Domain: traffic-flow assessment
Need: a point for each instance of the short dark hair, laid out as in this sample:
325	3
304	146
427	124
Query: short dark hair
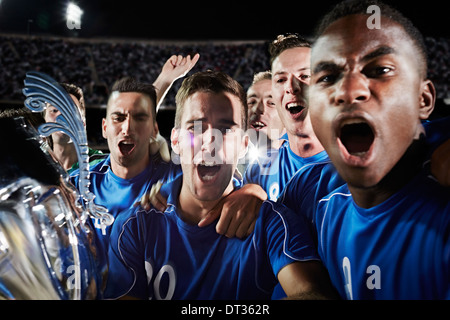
350	7
130	84
77	92
210	81
286	41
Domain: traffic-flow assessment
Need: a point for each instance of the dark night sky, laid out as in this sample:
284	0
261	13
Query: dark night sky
195	19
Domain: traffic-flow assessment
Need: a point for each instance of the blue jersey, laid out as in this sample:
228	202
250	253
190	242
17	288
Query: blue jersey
436	132
399	249
309	185
273	171
117	194
313	182
158	255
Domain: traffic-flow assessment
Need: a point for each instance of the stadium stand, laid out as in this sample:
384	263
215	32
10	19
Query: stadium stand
94	64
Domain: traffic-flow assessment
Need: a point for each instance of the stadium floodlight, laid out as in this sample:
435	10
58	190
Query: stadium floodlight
73	16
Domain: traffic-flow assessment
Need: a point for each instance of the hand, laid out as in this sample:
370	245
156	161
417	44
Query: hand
159	144
440	164
177	67
238	212
154	198
174	68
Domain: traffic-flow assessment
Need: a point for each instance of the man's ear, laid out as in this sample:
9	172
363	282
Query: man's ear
427	99
244	146
174	139
104	128
155	129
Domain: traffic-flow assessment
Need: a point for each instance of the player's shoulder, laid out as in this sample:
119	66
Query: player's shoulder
337	197
99	166
276	211
309	175
313	170
136	220
427	189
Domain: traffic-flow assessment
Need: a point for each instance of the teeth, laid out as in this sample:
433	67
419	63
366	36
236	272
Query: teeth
258	124
358	154
351	121
207	178
207	164
293	105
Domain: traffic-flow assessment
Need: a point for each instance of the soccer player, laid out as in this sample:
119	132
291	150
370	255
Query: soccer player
129	170
165	255
265	126
290	65
385	233
262	112
60	143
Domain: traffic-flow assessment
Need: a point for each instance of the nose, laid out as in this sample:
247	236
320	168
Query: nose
258	108
127	126
293	85
211	141
353	88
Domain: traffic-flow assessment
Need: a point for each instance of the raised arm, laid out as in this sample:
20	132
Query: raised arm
175	67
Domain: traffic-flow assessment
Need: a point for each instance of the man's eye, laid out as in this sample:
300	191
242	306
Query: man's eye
142	119
305	77
378	71
118	119
327	79
226	130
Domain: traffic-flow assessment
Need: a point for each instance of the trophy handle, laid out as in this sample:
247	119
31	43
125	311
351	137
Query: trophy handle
41	89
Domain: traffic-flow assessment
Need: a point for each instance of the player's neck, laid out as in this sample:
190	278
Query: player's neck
193	210
129	171
402	173
65	154
305	145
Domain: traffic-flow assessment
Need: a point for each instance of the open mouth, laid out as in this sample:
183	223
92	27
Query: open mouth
207	171
357	137
258	125
126	147
294	108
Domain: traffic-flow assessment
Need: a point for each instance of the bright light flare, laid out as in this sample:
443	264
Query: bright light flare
73	16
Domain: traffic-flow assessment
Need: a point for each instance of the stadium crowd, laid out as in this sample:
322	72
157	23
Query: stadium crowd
95	64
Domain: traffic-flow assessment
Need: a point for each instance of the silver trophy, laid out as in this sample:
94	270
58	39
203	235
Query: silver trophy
47	247
41	89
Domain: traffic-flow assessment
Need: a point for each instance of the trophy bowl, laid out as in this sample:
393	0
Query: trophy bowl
47	247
